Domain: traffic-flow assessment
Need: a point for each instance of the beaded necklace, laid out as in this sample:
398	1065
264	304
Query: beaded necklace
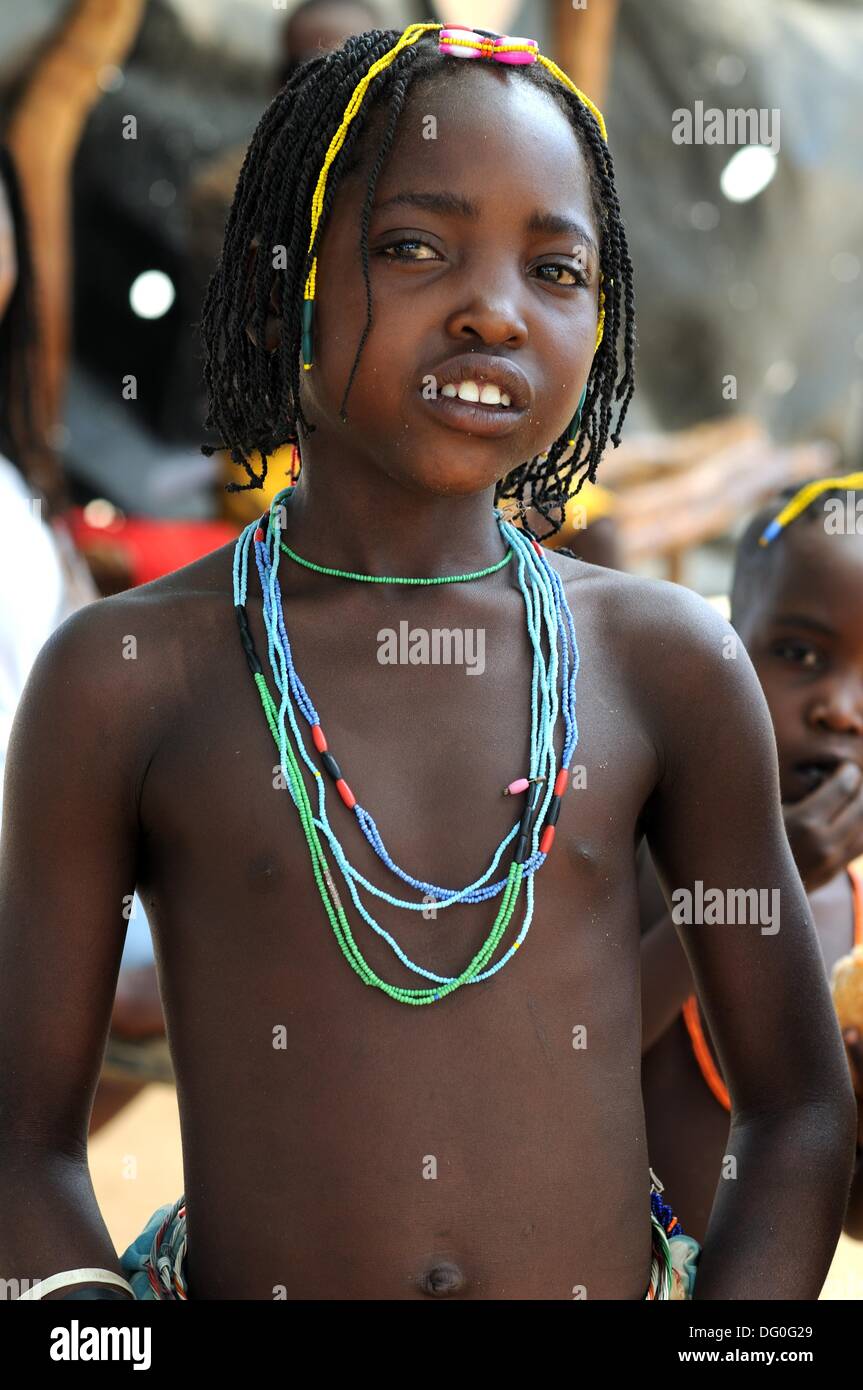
547	611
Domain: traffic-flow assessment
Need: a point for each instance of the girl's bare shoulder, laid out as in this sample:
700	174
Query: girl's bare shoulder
133	643
665	619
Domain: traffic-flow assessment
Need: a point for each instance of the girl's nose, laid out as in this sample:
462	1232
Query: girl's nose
490	318
839	709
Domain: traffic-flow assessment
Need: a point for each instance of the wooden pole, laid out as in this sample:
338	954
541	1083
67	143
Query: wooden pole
583	39
43	136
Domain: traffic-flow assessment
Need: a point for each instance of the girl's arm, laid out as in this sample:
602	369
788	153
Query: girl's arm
853	1223
714	826
67	864
666	981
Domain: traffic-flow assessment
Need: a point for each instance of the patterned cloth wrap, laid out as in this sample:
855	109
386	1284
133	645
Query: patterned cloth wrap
154	1264
675	1254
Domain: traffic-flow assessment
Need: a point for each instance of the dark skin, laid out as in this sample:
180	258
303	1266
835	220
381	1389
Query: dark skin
171	785
803	628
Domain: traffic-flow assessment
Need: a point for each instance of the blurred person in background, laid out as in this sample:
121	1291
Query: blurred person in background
43	580
318	26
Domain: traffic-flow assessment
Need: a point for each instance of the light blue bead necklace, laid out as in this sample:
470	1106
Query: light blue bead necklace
547	614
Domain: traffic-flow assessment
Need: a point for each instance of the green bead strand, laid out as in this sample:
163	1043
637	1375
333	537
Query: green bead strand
388	579
334	910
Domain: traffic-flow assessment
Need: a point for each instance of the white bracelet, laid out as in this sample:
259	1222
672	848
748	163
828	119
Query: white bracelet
76	1276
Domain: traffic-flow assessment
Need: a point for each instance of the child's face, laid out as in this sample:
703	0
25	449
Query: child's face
804	633
505	294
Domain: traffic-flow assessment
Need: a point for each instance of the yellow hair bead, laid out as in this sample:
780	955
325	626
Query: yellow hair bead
803	499
568	82
410	36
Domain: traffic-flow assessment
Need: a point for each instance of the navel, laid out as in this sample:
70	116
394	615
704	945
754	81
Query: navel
442	1280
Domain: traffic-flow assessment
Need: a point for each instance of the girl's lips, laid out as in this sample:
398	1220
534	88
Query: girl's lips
488	421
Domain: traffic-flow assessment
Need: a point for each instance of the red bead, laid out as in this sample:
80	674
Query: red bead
318	738
259	535
346	794
538	548
561	781
547	839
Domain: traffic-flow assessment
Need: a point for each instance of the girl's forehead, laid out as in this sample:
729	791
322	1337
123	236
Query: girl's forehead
505	138
820	571
481	104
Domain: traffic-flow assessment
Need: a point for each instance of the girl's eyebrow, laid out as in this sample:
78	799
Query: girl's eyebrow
801	620
453	204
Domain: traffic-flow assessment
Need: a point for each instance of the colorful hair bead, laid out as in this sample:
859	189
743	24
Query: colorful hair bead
458	41
803	499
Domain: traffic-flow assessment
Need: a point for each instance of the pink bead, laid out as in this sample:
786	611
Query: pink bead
521	784
529	57
460	50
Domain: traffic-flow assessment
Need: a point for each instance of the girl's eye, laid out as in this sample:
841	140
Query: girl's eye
402	255
799	654
569	274
412	249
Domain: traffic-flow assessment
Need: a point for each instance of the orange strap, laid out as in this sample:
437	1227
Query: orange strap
709	1070
692	1018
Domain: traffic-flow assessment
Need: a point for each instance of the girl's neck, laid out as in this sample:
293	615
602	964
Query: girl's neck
376	525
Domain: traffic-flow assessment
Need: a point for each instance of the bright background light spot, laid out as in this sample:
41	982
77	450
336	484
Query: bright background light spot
780	377
100	512
152	294
747	173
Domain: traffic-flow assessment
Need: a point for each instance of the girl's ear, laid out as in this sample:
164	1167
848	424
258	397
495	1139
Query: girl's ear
273	325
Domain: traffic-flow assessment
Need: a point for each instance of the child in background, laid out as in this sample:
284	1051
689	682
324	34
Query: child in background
43	580
386	1089
797	605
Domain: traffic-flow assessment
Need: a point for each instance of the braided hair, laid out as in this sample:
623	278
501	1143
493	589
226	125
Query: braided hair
254	395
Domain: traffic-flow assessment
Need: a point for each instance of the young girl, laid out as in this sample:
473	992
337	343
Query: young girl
394	900
797	605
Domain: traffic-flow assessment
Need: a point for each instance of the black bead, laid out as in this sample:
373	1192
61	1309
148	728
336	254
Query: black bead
520	850
332	766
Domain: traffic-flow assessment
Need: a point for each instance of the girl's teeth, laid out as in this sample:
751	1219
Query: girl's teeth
470	391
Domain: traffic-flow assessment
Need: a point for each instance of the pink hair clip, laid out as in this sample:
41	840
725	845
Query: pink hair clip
461	42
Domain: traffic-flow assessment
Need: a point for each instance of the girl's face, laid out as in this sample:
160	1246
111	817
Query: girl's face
484	268
804	633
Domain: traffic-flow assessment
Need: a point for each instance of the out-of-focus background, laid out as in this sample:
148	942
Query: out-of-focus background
128	119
